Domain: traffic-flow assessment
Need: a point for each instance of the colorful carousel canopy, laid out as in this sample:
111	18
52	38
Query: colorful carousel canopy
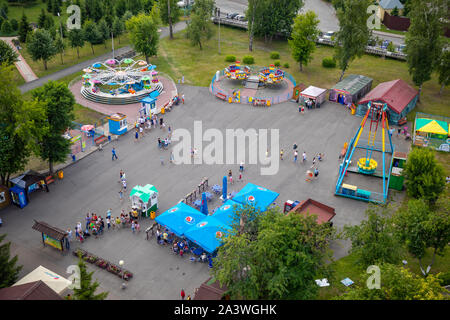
431	126
128	60
86	76
96	65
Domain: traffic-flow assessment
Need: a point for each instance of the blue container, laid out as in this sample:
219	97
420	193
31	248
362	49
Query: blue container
117	123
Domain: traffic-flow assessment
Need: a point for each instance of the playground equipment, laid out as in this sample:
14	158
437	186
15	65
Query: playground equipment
115	80
236	72
270	75
367	165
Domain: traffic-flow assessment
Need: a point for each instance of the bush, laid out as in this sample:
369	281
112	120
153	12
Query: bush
286	65
230	58
6	28
14	24
248	60
277	63
445	278
274	55
329	63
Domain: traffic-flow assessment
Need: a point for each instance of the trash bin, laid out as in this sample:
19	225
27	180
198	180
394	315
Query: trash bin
60	174
163	110
152	215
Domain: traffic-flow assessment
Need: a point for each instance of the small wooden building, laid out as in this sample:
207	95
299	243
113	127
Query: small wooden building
50	235
350	89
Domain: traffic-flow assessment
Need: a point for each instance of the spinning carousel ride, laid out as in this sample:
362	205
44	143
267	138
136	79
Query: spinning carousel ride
120	82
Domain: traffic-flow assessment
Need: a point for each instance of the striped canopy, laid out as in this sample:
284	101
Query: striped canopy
431	126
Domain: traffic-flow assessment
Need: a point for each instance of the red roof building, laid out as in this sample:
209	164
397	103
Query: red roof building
323	212
400	97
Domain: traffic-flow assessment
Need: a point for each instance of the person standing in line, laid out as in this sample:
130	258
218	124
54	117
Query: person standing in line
295	156
241	166
114	155
183	294
68	238
108	222
133	226
124	184
136	135
121	194
88	220
118	221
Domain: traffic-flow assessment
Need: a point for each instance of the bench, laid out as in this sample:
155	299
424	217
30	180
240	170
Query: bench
402	121
221	96
100	139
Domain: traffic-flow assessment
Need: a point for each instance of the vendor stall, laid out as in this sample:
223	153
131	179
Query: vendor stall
117	123
24	185
429	132
144	199
51	236
313	97
148	106
350	89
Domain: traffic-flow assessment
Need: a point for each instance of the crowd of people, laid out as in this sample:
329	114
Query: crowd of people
313	171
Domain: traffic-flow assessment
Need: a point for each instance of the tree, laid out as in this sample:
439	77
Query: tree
423	39
199	28
303	37
395	12
58	103
397	284
372	240
421	227
24	29
7	54
41	46
6	27
170	13
143	34
92	34
14	24
353	34
120	7
104	30
76	39
443	70
60	46
56	7
87	288
424	176
41	19
117	27
279	261
9	271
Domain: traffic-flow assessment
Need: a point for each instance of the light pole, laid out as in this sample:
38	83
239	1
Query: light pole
60	28
218	11
112	39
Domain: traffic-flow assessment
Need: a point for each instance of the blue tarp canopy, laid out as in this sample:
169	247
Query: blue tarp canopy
225	213
257	196
180	218
207	233
154	94
148	100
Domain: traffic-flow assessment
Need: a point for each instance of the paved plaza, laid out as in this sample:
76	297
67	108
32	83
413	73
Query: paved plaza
91	184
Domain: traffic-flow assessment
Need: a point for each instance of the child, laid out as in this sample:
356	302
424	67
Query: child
133	226
137	226
240	176
118	222
281	154
108	222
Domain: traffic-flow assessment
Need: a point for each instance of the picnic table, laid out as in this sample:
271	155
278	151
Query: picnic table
216	189
208	196
197	203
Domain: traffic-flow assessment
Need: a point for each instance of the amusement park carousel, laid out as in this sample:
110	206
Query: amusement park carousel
120	82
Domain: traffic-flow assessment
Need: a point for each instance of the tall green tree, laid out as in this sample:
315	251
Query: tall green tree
424	39
117	28
199	28
24	28
6	27
58	103
373	239
41	19
170	13
424	176
421	228
353	34
397	283
76	39
303	36
60	46
92	34
443	70
104	30
19	126
120	6
143	32
9	270
7	54
41	46
280	261
87	288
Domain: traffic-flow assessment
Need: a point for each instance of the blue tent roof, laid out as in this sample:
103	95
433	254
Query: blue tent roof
225	213
148	99
154	94
255	195
180	218
207	233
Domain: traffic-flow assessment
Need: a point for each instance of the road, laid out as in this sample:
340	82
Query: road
324	10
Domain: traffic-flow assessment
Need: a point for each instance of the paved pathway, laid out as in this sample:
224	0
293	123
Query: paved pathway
21	65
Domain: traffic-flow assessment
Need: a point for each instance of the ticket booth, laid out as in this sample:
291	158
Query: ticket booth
144	199
117	123
148	106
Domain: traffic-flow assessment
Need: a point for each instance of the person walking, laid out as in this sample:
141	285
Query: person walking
230	176
240	176
108	222
295	156
136	135
137	226
108	213
183	294
182	98
133	226
294	146
314	161
171	159
124	185
316	173
241	166
169	129
68	238
304	156
114	155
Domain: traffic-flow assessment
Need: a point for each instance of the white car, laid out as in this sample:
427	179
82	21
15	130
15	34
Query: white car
328	35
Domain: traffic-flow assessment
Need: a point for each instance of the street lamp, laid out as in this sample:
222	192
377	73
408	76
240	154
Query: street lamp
60	28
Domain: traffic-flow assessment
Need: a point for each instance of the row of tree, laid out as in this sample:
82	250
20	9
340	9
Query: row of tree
32	127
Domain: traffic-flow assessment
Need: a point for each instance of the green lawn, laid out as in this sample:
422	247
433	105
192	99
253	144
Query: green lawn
385	29
199	66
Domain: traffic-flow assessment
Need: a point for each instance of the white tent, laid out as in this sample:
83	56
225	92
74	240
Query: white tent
53	280
314	93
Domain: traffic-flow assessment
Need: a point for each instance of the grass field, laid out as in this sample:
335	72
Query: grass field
198	66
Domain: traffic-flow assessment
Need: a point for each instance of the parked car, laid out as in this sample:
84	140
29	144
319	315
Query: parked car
385	44
328	35
240	17
401	48
232	15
